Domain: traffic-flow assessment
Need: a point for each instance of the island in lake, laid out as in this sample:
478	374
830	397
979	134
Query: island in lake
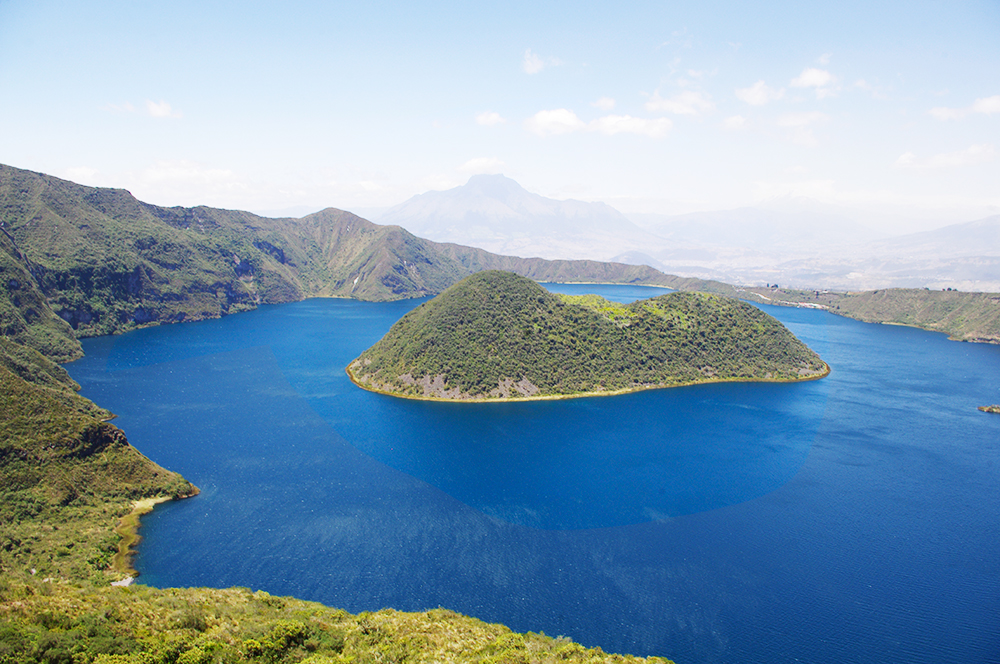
498	336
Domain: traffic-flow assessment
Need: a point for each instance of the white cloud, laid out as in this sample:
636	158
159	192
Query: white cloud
532	63
688	102
824	59
626	124
812	78
489	118
482	166
972	155
604	103
160	109
735	122
759	94
986	105
942	113
556	121
565	121
820	79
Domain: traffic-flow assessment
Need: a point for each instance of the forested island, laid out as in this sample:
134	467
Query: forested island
497	335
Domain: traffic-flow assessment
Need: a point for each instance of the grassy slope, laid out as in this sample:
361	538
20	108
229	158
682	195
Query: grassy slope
496	326
47	623
25	315
962	316
108	262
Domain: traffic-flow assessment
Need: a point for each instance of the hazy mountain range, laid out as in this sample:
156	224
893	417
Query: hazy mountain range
794	241
495	213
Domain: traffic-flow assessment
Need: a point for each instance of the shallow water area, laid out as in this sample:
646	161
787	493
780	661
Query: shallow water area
855	517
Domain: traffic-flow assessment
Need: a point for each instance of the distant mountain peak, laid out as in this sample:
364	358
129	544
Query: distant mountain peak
497	186
495	213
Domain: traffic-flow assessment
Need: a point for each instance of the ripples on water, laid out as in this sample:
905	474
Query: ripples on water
855	518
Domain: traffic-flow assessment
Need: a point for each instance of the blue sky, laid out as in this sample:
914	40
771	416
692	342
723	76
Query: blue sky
656	107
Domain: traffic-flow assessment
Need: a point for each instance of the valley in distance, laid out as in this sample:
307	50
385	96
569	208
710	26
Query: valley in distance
499	336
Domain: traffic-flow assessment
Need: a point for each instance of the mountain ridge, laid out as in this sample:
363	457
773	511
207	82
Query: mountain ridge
107	262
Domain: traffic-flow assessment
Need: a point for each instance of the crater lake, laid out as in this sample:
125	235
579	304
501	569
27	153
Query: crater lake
854	518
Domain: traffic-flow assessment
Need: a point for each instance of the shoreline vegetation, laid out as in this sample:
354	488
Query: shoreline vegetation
128	530
499	337
583	395
991	409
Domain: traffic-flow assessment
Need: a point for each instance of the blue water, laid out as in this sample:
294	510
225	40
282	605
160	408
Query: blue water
853	519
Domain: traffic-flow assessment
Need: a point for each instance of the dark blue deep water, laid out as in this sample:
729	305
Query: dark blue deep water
852	519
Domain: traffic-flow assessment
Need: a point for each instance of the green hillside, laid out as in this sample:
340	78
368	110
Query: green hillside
962	316
498	335
107	262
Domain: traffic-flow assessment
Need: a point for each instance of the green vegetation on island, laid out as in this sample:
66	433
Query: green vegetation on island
497	335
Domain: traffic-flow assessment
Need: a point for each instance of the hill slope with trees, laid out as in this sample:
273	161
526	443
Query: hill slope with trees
107	262
499	335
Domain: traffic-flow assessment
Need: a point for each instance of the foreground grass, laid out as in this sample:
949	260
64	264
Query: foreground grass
51	622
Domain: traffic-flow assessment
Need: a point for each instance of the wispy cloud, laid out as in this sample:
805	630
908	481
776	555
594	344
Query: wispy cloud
759	94
970	156
555	121
688	102
875	91
120	108
679	38
482	166
489	119
161	109
565	121
532	63
986	105
604	103
820	79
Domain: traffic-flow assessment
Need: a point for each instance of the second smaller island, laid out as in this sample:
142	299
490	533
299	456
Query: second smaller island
499	336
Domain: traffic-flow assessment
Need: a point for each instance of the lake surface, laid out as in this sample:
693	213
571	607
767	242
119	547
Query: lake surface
856	518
